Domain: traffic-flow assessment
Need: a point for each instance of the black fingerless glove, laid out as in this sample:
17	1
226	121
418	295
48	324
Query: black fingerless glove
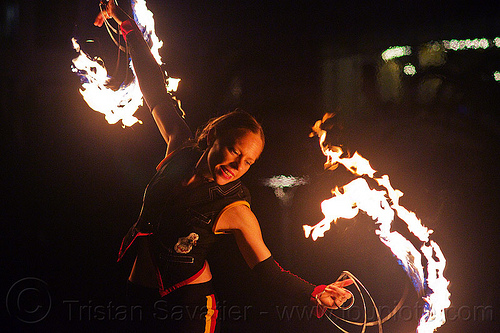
285	286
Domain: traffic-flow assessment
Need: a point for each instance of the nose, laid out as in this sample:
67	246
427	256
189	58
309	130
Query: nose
237	164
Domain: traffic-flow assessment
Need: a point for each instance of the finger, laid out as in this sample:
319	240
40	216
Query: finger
338	302
341	284
344	283
330	291
99	20
330	304
339	293
334	288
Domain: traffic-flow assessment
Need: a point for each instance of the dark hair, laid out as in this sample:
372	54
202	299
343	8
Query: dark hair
235	120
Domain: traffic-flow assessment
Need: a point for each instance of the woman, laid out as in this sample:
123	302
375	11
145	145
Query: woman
196	194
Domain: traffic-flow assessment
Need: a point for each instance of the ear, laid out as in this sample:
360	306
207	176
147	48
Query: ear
211	137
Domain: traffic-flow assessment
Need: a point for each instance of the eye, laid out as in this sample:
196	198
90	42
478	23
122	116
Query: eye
234	151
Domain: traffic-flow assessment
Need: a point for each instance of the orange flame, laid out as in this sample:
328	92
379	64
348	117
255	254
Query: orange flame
120	104
381	206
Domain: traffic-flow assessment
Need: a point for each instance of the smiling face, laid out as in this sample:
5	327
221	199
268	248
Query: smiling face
231	155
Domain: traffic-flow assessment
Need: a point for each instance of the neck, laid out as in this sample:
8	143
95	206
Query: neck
201	172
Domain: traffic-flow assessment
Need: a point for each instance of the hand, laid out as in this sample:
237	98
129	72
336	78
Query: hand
110	10
335	294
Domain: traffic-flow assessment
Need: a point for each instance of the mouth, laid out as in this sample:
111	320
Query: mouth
226	173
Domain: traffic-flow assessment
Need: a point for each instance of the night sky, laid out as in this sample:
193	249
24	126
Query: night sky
73	184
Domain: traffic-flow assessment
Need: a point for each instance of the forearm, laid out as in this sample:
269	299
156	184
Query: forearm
149	75
285	286
164	108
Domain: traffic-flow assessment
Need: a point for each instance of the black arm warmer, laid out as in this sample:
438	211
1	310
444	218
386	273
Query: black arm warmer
282	284
147	70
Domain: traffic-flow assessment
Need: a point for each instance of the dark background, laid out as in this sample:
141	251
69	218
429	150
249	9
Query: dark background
72	184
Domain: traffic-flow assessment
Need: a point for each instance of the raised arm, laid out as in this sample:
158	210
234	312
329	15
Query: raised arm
151	80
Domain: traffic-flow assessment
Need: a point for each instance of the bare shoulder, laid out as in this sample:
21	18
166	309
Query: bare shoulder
242	223
239	217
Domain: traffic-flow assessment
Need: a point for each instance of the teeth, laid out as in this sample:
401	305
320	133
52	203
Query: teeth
226	172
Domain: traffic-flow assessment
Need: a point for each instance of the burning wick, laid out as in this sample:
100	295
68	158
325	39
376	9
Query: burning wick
381	206
118	104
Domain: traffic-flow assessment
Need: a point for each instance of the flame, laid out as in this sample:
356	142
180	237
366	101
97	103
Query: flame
382	206
122	103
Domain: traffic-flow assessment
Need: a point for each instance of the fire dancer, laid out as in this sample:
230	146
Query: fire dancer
195	195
